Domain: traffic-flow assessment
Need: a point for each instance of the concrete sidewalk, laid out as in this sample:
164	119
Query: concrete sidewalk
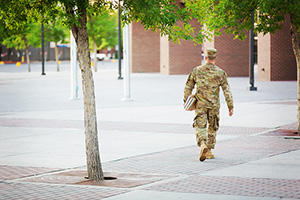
147	143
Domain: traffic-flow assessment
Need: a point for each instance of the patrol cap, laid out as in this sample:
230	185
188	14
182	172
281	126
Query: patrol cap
211	52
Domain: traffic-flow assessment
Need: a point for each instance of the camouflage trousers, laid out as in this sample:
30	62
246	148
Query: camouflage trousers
206	124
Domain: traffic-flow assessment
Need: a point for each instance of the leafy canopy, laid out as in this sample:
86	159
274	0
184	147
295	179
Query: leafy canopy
235	16
166	16
103	29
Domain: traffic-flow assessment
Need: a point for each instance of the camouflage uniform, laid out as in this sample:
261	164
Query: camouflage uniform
208	78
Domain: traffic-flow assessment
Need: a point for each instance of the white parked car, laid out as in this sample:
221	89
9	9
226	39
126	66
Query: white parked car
100	56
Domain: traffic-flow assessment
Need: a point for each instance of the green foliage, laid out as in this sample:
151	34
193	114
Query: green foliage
102	29
30	35
55	31
272	13
34	35
234	16
17	38
164	16
4	32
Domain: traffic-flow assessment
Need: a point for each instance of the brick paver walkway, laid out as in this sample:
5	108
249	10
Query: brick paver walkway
15	172
23	191
124	126
256	187
185	160
173	170
181	162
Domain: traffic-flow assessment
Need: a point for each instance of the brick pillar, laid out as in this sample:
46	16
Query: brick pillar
145	50
276	59
164	55
264	57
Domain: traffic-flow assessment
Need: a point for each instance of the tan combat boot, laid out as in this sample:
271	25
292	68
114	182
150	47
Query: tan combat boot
203	151
209	154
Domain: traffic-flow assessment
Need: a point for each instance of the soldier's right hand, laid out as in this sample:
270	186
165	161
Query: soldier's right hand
230	112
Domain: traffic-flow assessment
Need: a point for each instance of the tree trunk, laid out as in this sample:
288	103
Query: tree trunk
56	56
296	49
95	59
94	167
28	58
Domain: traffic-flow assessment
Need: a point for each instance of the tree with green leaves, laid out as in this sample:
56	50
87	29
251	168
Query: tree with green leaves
4	34
157	15
55	32
235	17
22	38
102	31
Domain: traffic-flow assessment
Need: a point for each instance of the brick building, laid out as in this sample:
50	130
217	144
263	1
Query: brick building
152	53
144	48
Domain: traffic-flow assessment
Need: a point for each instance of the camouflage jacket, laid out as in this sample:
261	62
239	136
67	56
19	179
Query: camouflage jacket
208	78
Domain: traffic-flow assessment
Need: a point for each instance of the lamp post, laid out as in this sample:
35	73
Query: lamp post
251	87
43	51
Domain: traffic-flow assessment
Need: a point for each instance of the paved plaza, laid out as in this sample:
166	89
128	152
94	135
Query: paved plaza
148	143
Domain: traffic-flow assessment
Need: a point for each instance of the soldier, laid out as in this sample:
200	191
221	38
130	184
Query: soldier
208	78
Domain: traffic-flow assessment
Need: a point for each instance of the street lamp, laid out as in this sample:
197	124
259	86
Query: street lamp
43	51
251	87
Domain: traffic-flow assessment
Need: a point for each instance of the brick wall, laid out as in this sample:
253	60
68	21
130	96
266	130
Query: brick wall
283	62
145	48
233	55
184	57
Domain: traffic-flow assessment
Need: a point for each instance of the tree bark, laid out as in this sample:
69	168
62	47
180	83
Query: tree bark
27	53
27	58
95	59
296	49
94	167
56	56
